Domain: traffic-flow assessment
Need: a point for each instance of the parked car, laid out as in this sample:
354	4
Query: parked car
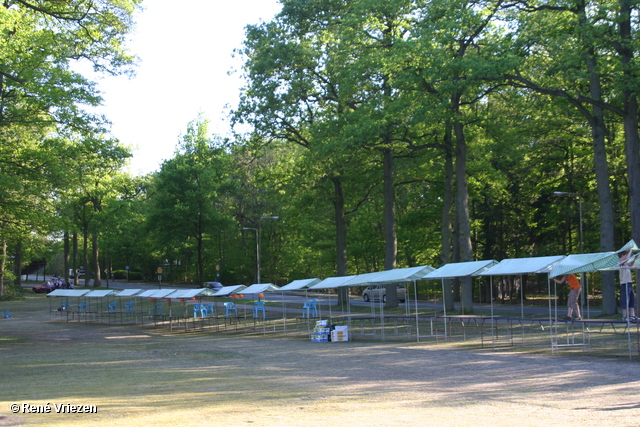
374	293
216	286
49	286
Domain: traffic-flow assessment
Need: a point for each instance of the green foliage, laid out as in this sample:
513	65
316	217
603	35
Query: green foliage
332	87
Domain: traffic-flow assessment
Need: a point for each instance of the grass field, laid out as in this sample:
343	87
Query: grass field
146	376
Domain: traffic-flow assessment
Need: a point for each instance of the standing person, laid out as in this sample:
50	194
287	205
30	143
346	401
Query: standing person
574	293
627	295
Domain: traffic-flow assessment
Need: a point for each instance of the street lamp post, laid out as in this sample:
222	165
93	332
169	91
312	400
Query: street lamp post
258	241
257	253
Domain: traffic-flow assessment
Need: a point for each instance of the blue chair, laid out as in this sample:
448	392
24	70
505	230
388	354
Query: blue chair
197	308
129	306
113	306
157	309
65	305
207	310
6	315
258	306
229	308
310	307
82	306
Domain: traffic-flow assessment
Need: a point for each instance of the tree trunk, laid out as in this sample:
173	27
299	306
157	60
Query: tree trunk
17	264
462	211
341	237
74	259
605	201
97	282
65	274
390	236
85	249
632	138
446	228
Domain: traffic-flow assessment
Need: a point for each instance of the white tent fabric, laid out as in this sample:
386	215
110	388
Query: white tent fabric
407	274
364	279
298	285
228	290
508	267
101	293
332	282
397	275
260	288
155	293
71	293
190	293
579	263
128	292
582	263
460	269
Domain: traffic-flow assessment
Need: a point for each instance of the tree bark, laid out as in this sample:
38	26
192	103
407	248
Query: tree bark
390	235
462	211
446	227
341	236
632	138
605	201
97	281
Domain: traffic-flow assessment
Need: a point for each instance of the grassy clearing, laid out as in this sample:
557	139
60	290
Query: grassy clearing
141	376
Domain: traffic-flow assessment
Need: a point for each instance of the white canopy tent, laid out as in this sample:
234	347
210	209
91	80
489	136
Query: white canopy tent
260	288
296	285
67	293
380	278
456	270
519	266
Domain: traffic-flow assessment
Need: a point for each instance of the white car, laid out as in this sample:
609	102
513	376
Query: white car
374	293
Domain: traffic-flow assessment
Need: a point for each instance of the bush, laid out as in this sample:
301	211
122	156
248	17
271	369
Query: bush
133	275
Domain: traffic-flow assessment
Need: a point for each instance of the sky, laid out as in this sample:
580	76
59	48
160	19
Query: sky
185	52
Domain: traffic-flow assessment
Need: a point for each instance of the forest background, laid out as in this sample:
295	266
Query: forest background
370	135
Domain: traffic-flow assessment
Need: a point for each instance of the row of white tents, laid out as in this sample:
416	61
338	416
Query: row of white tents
552	266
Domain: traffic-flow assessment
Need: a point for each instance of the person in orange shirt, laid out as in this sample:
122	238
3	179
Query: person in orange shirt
574	293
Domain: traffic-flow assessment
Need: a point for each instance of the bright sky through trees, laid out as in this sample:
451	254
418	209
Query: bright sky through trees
185	50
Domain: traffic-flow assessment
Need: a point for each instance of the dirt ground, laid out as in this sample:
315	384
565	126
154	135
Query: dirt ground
147	376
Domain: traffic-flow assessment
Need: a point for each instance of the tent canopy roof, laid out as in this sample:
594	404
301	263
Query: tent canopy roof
397	275
228	290
155	293
515	266
332	282
260	287
101	293
297	285
460	269
68	292
128	292
191	293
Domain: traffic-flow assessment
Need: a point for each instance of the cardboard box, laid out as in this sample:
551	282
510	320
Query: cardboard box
340	334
